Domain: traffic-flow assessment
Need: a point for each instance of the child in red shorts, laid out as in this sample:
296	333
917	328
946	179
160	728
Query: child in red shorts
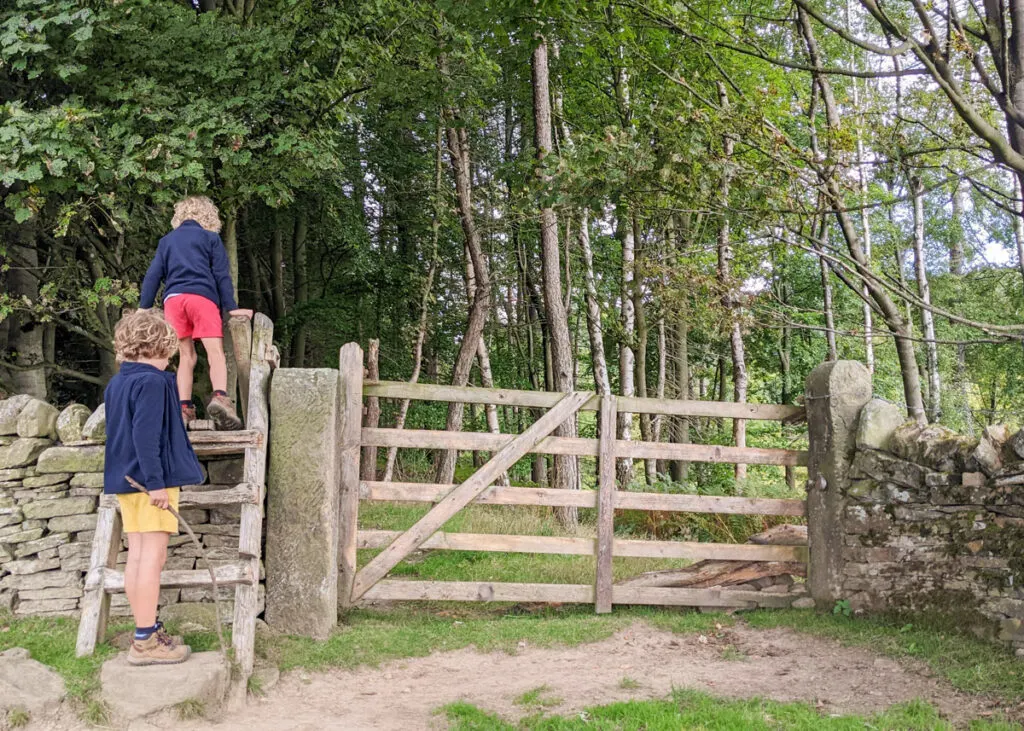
193	266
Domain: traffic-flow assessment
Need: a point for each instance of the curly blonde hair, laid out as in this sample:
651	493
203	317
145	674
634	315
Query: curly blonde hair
144	334
197	208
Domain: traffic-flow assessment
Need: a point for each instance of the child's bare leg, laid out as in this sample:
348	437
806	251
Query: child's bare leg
147	585
131	569
218	364
187	359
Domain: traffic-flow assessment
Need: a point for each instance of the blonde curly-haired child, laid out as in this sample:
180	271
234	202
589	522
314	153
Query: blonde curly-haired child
193	266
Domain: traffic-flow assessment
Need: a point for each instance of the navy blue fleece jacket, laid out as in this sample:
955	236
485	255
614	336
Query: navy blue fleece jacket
190	260
146	437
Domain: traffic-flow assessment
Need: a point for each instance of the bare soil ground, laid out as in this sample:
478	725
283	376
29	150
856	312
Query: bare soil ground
737	662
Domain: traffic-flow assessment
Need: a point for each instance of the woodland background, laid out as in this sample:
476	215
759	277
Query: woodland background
672	199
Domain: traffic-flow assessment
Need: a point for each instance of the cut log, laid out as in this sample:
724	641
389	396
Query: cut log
713	573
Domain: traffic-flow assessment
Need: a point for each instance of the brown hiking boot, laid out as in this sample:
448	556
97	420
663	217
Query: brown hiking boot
157	650
222	411
188	414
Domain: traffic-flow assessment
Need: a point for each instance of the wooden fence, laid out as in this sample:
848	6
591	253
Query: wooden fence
370	583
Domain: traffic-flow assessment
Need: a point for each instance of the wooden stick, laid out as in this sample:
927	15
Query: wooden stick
350	369
512	451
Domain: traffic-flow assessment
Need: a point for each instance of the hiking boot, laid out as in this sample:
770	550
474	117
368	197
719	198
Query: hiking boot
158	649
222	411
188	414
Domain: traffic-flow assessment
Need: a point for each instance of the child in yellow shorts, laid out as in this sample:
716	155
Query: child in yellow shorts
147	441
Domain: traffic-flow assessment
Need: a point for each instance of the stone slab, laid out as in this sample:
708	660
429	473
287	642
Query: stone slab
28	684
72	523
10	409
44	509
95	427
38	419
38	481
23	452
302	502
878	421
71	422
70	459
204	677
87	479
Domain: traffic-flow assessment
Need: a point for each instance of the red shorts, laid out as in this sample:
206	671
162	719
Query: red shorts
193	316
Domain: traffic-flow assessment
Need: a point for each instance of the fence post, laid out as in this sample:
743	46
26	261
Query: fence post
350	425
605	504
836	392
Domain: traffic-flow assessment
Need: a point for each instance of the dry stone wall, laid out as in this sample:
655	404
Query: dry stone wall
51	479
934	521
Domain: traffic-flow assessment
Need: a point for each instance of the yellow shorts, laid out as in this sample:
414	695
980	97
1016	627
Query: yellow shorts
138	516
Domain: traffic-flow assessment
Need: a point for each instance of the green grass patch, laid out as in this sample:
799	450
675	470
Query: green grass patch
628	683
191	709
18	717
694	710
539	697
51	641
370	638
968	663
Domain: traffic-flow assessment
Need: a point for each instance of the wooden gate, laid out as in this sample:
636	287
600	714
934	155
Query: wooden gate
370	582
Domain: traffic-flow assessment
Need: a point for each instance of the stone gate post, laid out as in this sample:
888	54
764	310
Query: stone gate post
836	392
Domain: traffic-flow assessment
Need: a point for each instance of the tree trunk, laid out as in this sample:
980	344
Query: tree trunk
830	319
956	269
894	319
924	291
428	286
458	152
627	361
25	339
594	326
730	295
566	467
301	287
642	337
368	465
679	232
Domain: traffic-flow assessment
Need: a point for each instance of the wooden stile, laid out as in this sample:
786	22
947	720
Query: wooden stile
605	504
513	449
351	415
103	578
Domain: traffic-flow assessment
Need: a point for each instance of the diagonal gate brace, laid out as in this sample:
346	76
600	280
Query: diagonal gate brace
464	494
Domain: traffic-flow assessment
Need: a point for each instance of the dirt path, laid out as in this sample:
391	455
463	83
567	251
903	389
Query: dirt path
741	662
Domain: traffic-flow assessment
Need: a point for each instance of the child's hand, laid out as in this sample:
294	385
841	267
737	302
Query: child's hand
160	499
247	314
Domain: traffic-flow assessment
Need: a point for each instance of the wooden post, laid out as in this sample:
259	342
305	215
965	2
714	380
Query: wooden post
605	504
241	342
465	493
349	436
257	378
96	604
369	460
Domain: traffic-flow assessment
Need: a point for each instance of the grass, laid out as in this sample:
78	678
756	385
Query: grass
628	683
191	709
730	652
538	698
51	641
18	717
694	710
371	638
